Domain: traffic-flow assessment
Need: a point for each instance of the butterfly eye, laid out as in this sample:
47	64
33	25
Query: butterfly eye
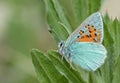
61	44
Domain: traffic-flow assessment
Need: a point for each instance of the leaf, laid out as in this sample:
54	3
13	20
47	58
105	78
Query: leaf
42	76
92	78
65	68
83	8
45	70
116	67
98	77
116	27
116	72
112	44
109	44
55	16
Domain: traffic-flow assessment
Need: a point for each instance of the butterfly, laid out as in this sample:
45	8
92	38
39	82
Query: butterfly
84	46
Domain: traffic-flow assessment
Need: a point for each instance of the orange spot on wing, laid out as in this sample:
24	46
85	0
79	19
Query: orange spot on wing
85	39
99	37
93	36
92	29
81	33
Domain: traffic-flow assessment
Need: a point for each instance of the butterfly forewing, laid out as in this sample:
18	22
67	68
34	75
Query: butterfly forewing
91	30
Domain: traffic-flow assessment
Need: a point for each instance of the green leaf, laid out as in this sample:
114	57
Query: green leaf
83	8
98	77
65	68
116	28
112	44
108	43
42	76
116	72
45	70
55	16
116	67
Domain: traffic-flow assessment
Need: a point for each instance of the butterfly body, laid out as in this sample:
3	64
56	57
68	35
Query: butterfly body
83	47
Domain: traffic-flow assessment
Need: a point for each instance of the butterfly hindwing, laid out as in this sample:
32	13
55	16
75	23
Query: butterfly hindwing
88	55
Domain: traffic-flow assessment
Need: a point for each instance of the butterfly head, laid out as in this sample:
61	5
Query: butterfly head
61	47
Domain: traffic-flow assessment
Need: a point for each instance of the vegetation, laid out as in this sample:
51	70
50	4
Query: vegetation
50	68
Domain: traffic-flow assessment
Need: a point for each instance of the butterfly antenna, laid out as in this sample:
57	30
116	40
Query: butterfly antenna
64	27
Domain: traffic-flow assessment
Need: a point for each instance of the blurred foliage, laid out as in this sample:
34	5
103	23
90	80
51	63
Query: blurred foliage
23	21
62	22
22	25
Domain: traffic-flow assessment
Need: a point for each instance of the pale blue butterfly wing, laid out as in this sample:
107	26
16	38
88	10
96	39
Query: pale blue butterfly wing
88	55
95	19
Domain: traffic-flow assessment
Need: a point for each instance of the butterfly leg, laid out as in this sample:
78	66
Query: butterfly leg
70	61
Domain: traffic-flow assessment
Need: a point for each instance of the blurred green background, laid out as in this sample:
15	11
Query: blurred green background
23	27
